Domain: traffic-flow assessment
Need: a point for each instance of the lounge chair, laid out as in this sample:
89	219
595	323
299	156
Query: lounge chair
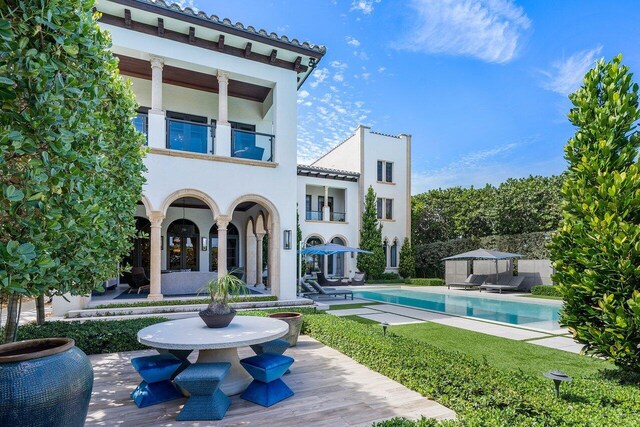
511	283
323	281
473	281
139	280
329	291
358	279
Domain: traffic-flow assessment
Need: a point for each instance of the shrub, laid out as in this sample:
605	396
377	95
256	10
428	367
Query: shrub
480	394
425	282
389	276
597	251
546	290
184	302
385	281
407	260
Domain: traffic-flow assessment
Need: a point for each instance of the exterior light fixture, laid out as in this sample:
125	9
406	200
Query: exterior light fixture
385	325
286	239
557	377
204	244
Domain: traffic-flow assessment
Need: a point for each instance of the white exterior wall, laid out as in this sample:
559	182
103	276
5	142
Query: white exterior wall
345	156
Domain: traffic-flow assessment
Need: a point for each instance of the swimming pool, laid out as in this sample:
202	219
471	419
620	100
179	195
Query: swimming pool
527	314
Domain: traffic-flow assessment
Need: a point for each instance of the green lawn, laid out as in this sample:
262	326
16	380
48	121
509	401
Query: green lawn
502	353
350	306
543	297
360	320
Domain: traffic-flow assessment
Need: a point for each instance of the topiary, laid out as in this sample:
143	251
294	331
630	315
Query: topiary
596	253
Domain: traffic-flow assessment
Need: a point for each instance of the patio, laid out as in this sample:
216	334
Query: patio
331	390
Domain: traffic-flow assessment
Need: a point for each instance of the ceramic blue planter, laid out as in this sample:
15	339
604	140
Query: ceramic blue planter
45	382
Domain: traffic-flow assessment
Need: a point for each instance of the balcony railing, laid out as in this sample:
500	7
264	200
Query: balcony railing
314	215
252	145
338	216
190	136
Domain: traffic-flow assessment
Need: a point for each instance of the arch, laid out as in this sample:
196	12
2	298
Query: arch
250	226
312	236
148	207
337	263
183	245
341	237
260	224
272	211
393	253
190	192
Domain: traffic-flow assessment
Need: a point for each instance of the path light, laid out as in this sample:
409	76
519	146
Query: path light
557	377
384	328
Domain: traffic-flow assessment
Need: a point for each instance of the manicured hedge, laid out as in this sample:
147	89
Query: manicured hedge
480	394
396	281
184	302
546	290
424	282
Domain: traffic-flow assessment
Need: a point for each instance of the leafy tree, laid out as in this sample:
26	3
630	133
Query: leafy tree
371	239
407	260
70	158
596	253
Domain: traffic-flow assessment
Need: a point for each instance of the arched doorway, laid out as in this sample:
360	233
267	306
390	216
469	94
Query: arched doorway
233	248
182	245
335	262
140	255
314	262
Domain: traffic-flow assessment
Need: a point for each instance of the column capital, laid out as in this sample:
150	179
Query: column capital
222	221
223	76
156	62
156	218
260	236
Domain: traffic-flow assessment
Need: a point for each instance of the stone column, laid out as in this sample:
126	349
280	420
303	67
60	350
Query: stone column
223	128
157	64
251	262
155	292
259	241
326	211
222	222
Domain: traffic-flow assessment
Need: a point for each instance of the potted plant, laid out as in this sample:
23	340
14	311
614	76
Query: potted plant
223	290
295	325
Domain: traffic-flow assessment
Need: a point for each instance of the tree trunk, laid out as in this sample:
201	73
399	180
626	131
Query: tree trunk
13	315
40	310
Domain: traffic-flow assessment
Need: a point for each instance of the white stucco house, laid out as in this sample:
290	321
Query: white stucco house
218	106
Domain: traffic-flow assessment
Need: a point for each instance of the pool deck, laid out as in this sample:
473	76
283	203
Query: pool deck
394	314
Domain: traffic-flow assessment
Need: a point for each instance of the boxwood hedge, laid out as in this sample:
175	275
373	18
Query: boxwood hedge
546	290
424	282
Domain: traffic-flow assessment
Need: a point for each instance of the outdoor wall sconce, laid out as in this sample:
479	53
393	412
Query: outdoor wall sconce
287	239
204	244
557	378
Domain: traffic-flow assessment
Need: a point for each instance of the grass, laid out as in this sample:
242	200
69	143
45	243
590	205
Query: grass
360	320
543	297
350	306
502	353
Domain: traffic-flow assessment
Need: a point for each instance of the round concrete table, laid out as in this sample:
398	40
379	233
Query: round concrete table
216	344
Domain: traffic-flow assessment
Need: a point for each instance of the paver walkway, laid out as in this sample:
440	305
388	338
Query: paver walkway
331	390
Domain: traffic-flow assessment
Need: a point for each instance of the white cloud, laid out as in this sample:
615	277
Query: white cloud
338	77
352	41
364	6
339	65
319	76
187	3
566	75
381	69
489	30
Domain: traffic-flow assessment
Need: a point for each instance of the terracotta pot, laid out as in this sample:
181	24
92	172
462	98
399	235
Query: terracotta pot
295	325
45	382
213	320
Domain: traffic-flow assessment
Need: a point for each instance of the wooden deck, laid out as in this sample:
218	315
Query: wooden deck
331	390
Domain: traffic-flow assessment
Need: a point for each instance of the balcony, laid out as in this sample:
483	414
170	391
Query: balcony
314	216
189	136
338	216
252	145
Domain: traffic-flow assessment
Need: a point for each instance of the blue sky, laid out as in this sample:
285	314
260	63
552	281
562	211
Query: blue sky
481	85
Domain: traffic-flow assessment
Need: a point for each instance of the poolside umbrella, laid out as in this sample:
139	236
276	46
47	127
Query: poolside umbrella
484	254
330	249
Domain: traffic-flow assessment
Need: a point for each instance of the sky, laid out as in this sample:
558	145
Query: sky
481	85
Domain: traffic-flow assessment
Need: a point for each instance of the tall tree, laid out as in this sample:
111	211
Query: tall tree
70	158
407	260
371	239
596	253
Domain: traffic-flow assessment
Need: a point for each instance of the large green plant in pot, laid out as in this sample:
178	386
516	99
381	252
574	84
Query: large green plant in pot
224	290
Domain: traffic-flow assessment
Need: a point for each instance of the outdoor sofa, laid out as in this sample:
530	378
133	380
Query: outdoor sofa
511	283
473	281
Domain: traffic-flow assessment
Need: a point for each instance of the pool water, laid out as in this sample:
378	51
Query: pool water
528	314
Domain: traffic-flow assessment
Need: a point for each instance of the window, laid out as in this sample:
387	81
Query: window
183	238
307	202
320	203
385	249
330	203
187	132
232	247
389	174
385	171
389	209
394	254
379	207
141	122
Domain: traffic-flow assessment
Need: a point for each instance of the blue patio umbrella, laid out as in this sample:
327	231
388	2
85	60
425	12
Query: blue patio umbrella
330	249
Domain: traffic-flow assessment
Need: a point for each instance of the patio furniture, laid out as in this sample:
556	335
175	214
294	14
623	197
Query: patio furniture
216	345
156	386
139	280
504	284
323	281
473	281
278	346
206	401
358	279
329	291
267	387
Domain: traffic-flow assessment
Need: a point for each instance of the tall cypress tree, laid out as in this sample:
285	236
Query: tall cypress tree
596	253
371	239
407	260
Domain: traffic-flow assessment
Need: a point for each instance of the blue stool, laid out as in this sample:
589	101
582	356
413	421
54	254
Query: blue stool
156	385
277	346
206	402
267	387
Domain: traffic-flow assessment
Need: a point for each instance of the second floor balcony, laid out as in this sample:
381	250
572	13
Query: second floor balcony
323	203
